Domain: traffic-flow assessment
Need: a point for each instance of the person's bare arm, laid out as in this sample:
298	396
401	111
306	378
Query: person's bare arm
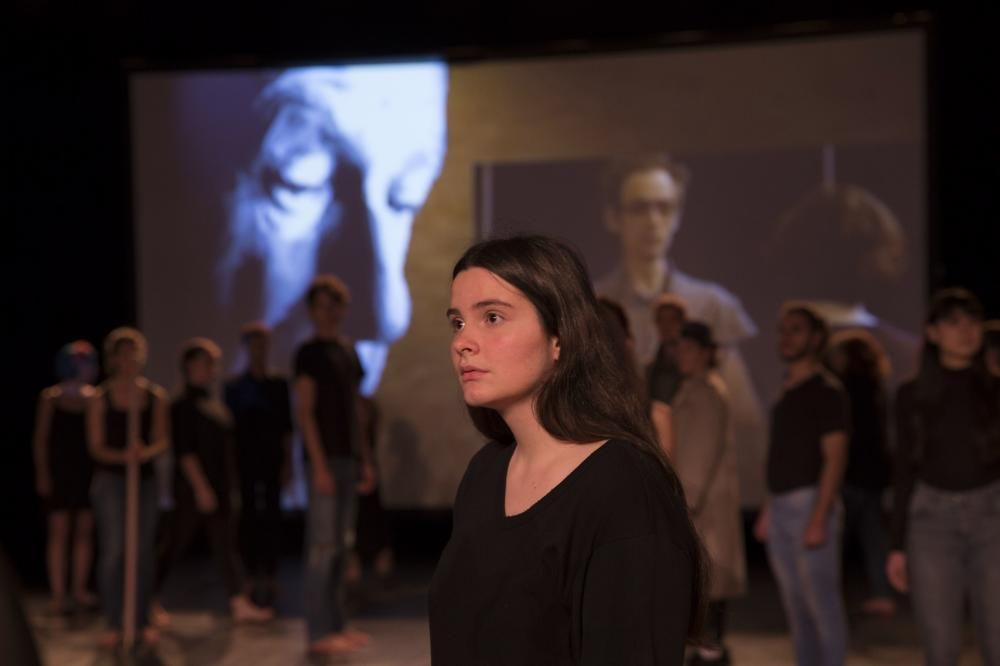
160	431
834	447
204	494
663	424
40	445
305	405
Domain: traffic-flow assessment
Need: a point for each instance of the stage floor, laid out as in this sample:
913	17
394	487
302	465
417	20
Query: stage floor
394	613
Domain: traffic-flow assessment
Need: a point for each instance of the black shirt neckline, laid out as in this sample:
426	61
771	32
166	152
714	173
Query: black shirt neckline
545	499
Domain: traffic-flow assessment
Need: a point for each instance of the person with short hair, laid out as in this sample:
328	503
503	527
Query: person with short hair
202	431
63	471
800	520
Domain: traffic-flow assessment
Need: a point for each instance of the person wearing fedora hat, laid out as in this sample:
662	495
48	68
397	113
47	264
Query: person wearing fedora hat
705	460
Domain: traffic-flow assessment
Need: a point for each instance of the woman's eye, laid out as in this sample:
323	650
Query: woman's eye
493	318
457	324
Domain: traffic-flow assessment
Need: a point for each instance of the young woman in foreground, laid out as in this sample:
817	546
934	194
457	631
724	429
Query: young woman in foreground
571	541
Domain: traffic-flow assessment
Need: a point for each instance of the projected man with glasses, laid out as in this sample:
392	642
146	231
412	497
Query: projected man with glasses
644	202
346	159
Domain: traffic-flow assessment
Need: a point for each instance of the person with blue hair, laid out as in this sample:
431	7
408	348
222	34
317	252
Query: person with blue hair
63	471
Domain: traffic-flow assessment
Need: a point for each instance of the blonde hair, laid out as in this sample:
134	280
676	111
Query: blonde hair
118	337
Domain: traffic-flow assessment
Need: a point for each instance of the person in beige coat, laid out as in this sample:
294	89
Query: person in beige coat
705	460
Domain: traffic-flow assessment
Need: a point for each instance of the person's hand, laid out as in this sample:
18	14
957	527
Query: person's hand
760	526
205	499
815	534
133	453
43	484
368	481
322	480
897	571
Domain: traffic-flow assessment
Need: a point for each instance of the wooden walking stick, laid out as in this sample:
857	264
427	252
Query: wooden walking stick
131	523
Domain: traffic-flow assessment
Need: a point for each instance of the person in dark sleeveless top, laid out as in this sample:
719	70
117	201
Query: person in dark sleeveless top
63	469
107	438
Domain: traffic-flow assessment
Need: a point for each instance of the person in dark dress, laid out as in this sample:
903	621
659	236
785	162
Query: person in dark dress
204	479
125	391
63	470
571	541
945	532
259	402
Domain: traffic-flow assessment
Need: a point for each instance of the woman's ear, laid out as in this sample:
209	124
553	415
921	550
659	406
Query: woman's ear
555	349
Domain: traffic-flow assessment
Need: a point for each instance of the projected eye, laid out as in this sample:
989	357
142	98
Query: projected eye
456	324
300	181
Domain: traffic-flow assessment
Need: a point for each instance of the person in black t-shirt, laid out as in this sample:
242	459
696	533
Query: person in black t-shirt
202	432
571	541
327	378
946	512
800	519
259	403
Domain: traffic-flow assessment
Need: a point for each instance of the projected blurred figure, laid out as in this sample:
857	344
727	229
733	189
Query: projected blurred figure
108	441
645	198
348	157
63	470
844	231
259	403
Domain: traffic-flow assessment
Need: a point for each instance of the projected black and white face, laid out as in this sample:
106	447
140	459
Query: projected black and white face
346	158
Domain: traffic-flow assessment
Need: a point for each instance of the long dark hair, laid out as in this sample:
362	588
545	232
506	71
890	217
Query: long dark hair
985	405
588	396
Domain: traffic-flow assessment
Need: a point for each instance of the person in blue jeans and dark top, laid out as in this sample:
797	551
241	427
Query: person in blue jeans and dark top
800	521
946	512
327	380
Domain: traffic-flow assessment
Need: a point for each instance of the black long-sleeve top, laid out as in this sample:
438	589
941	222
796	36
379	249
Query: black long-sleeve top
596	572
936	444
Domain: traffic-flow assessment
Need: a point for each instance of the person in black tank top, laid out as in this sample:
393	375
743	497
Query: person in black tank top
108	442
63	471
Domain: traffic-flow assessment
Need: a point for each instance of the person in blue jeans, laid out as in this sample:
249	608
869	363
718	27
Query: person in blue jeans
946	512
109	444
327	379
800	521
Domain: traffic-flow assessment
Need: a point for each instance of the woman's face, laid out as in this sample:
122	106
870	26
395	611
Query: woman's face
500	350
958	335
692	358
127	362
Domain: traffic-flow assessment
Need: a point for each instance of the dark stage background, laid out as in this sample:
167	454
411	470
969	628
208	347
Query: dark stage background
67	175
